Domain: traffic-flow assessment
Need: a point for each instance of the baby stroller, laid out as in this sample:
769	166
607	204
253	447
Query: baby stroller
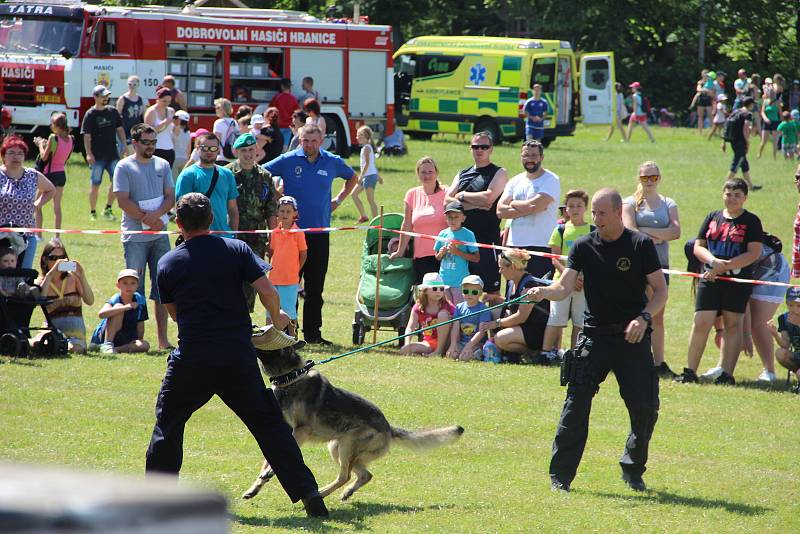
395	290
15	318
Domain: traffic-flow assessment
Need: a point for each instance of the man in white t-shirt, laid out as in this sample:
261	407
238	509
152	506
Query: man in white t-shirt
530	200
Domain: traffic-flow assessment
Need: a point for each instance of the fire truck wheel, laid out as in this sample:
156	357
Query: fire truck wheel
337	134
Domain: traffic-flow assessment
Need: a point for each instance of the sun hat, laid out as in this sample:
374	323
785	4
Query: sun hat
124	273
257	119
472	279
197	133
270	338
288	199
100	90
182	115
244	140
793	294
432	280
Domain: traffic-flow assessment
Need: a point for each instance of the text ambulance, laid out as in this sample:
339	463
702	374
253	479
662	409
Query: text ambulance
468	84
52	53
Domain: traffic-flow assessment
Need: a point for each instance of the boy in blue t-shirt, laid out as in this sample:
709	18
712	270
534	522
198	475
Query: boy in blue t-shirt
787	334
121	327
535	109
466	338
454	258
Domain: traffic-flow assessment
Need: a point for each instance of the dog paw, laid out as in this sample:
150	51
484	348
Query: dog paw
346	495
249	494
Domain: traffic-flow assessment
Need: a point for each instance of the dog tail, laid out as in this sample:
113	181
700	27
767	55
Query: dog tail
426	439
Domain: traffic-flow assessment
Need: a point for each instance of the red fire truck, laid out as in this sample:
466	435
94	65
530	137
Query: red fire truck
53	52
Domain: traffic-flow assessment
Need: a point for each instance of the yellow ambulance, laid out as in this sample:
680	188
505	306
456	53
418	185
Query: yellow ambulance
463	85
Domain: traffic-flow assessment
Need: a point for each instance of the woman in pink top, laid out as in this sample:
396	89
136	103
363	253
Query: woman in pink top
424	214
55	151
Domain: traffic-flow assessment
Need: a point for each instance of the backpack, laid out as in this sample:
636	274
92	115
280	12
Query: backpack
773	242
562	227
735	120
230	137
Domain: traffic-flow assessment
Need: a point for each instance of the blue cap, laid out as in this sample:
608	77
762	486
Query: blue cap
793	294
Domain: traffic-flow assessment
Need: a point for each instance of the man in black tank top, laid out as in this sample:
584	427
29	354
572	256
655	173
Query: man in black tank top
478	188
617	265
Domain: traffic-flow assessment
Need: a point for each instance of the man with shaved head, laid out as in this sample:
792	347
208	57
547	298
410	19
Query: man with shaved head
617	265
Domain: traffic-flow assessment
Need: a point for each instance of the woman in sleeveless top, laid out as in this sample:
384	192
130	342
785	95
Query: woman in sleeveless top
131	107
159	116
23	192
55	150
478	188
70	290
656	216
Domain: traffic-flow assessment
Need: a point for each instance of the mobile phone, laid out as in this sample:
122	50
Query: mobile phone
67	266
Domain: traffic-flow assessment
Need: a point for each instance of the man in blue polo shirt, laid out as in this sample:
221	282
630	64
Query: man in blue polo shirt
308	174
536	109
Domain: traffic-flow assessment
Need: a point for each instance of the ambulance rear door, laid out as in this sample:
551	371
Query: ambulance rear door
598	101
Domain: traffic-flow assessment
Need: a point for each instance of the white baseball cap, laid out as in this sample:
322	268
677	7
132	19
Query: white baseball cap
257	119
100	90
182	115
472	279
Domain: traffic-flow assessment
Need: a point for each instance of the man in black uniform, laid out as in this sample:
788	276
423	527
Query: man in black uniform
200	283
617	265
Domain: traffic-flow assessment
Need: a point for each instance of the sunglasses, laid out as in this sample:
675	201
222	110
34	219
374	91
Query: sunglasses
53	257
436	288
204	148
480	147
146	142
471	291
653	178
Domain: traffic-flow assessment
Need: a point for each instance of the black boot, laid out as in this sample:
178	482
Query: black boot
315	506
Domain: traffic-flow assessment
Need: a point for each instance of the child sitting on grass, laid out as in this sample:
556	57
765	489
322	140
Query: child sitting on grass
455	258
121	327
288	257
787	334
432	307
466	338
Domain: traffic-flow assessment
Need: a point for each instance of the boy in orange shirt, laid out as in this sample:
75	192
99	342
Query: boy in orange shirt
289	255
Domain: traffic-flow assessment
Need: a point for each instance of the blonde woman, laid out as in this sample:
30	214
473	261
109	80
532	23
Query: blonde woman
655	215
369	175
224	127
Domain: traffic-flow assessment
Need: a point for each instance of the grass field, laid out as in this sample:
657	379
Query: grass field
722	459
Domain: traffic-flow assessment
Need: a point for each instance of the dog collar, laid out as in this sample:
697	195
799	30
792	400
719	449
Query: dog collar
291	376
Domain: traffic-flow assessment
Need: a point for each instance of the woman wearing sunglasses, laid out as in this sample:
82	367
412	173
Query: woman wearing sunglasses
655	215
65	281
131	107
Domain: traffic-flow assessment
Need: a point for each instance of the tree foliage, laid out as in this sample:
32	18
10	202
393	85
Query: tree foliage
654	42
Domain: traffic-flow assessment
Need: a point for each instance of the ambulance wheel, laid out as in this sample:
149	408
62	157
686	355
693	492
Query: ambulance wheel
421	136
487	124
10	345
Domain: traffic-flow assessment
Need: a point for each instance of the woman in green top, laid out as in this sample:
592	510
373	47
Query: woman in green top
770	117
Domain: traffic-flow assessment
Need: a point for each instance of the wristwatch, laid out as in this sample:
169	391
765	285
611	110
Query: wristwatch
461	197
647	317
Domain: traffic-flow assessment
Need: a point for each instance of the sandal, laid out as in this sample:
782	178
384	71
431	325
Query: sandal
362	219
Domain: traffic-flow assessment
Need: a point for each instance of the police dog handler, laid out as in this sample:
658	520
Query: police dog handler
200	283
617	265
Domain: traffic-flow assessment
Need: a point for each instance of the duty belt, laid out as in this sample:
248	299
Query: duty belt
606	329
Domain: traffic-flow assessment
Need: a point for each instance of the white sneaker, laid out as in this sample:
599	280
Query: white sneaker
713	373
767	376
107	347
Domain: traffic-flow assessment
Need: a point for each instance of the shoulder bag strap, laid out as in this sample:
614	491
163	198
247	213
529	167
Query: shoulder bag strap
214	180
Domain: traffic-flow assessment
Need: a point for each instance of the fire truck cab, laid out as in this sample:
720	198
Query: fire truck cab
53	52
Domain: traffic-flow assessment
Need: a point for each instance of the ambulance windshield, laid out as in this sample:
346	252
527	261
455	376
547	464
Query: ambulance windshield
39	35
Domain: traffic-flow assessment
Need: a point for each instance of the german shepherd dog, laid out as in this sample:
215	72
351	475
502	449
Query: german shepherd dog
356	430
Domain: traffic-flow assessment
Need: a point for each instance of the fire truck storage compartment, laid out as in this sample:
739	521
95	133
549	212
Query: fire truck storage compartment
256	73
325	66
198	72
366	100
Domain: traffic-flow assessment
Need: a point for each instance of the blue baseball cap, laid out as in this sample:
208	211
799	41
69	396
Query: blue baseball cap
793	294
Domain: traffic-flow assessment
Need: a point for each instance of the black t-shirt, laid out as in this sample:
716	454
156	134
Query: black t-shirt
274	148
512	292
484	223
102	125
727	238
203	277
614	275
738	129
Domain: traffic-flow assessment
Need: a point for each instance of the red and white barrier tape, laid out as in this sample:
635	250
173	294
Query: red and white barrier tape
350	228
